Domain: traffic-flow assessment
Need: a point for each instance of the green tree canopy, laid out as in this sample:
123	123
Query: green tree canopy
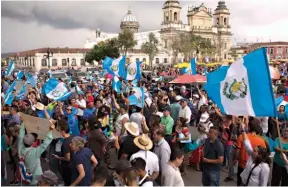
108	48
150	47
126	40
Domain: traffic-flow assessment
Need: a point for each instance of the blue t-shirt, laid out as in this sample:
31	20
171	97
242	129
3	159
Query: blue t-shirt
82	157
277	158
88	112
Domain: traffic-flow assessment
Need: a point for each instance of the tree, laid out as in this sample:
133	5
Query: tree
150	47
176	48
126	40
108	48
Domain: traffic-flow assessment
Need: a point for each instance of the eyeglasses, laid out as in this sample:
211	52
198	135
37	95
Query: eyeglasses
68	109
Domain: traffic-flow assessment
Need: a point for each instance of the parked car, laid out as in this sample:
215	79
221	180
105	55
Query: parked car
60	74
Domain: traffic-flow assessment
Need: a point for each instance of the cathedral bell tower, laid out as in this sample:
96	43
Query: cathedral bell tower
221	23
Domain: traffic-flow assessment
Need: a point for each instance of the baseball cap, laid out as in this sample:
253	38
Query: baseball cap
48	177
178	98
29	139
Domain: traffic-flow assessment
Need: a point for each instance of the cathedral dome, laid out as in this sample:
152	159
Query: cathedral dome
129	17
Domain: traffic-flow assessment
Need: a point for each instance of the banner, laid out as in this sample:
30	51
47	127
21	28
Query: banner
39	126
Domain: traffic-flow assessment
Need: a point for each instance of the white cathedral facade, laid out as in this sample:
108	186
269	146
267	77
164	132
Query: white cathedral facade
214	26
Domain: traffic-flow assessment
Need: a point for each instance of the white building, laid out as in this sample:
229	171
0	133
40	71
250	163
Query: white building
201	21
37	59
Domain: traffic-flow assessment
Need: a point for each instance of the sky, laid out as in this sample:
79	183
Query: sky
35	24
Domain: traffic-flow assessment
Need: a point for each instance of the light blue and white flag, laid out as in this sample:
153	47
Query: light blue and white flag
22	92
137	98
49	73
79	90
116	84
20	74
89	77
10	68
135	82
244	88
32	79
133	71
115	66
56	90
191	69
9	96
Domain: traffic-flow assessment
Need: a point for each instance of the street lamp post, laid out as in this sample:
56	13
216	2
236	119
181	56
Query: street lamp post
48	55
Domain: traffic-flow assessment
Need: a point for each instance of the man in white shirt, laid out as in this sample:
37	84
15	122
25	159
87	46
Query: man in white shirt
144	143
81	107
185	111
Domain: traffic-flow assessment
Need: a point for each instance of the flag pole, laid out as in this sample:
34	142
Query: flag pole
278	131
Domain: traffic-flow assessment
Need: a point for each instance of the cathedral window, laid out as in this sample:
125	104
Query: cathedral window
225	21
218	21
271	51
82	62
165	44
225	45
144	59
54	62
225	56
175	16
165	60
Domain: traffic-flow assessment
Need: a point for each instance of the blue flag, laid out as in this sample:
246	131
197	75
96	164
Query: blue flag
20	75
133	71
137	98
115	66
191	69
32	80
22	92
116	84
10	68
244	88
9	96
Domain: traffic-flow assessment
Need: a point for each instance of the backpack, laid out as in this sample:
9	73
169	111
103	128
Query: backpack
22	174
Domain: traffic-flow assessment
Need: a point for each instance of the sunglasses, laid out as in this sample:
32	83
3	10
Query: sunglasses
68	109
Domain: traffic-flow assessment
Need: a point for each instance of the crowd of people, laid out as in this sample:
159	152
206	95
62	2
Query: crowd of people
153	143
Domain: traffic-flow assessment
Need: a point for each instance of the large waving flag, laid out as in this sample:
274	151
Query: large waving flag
244	88
10	68
56	90
22	92
133	71
79	90
137	98
9	96
115	66
116	84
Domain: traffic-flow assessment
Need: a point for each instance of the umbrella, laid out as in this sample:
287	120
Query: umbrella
274	73
188	79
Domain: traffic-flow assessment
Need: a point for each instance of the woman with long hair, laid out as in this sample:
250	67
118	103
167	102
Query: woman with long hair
256	171
83	162
279	172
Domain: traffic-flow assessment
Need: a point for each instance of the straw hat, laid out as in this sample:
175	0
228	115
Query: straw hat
132	128
143	142
39	106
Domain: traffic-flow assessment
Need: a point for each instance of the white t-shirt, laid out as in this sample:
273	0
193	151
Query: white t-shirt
152	162
185	113
119	125
82	103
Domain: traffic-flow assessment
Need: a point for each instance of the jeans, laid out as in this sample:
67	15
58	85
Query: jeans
228	154
210	177
279	175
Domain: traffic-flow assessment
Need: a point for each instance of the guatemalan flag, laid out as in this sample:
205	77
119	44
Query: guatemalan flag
115	66
137	98
133	71
9	96
10	68
192	68
56	90
244	88
20	74
32	80
22	92
116	84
